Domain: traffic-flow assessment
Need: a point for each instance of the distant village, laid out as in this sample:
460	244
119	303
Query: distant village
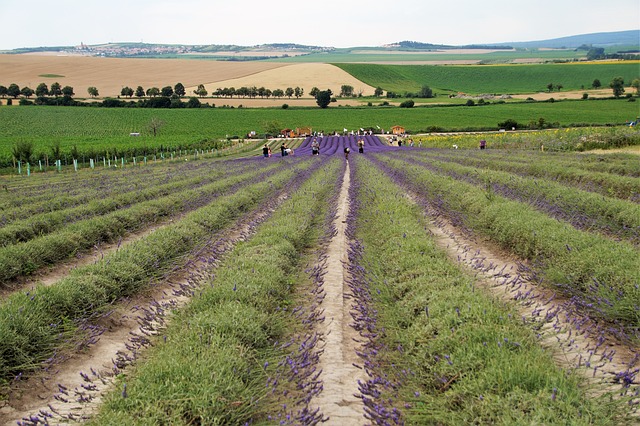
143	49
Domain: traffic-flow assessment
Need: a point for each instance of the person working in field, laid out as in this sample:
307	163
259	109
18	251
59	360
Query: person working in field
265	151
483	144
346	153
315	147
361	146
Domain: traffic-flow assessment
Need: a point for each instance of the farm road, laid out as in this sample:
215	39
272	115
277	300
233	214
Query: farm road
339	376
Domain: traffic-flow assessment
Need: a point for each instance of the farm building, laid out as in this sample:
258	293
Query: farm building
398	130
303	131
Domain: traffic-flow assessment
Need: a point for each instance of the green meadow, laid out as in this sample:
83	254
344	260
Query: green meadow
491	78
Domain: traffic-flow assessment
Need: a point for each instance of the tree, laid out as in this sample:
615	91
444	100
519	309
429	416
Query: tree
595	53
93	91
596	84
298	92
26	91
289	92
426	92
126	91
201	91
323	98
140	92
179	90
346	90
278	93
166	91
314	91
154	125
13	90
56	89
378	92
636	85
550	87
193	102
3	91
559	87
42	90
617	85
153	92
67	91
408	104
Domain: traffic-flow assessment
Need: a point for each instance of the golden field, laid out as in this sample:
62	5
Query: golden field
110	75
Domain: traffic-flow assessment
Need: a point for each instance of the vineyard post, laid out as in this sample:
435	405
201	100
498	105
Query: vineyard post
28	169
19	167
91	163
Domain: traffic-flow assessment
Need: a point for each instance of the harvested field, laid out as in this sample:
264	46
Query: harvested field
305	76
110	75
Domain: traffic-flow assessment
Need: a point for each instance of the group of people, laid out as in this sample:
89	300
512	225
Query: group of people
315	149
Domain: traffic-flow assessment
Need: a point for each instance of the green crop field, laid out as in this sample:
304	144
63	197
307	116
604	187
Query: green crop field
491	79
96	130
362	55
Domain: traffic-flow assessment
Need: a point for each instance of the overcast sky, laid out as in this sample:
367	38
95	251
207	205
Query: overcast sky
338	23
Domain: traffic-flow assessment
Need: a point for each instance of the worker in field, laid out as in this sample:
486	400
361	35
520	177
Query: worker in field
361	146
315	147
265	151
346	153
483	144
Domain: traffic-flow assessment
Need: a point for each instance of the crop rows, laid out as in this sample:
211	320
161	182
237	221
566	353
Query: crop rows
436	345
585	210
35	322
600	275
437	351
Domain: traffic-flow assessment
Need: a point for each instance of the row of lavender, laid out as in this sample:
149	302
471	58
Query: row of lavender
330	145
600	273
252	323
102	216
439	351
36	324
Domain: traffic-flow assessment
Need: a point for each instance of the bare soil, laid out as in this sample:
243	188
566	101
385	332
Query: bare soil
339	375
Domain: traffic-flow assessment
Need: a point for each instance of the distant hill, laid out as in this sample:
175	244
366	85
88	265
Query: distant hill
617	38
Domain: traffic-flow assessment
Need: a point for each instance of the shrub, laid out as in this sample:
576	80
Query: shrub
285	106
407	104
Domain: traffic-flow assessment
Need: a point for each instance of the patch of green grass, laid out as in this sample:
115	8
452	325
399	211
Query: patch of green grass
501	79
51	75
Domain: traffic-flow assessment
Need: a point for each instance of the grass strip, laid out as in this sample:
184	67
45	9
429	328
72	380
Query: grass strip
440	351
219	351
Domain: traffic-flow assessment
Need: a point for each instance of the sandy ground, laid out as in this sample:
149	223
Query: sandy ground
339	376
305	76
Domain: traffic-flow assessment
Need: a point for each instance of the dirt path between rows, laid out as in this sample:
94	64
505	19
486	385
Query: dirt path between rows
73	387
339	376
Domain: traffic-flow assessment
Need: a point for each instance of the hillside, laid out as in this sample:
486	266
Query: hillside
608	39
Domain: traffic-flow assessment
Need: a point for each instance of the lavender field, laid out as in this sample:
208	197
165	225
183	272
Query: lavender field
402	285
